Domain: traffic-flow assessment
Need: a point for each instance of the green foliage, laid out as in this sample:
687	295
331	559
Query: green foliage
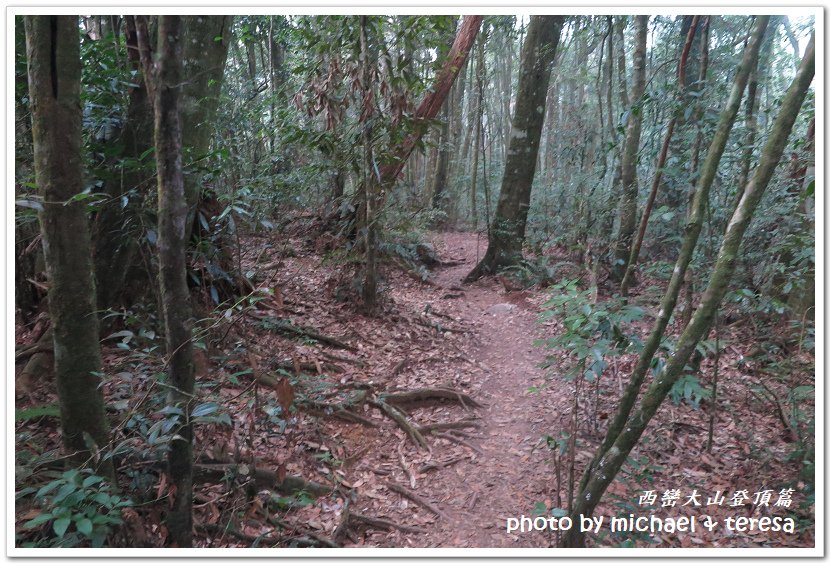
78	508
23	415
591	332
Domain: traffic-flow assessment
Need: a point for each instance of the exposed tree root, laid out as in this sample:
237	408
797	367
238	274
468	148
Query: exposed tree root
264	478
468	423
383	524
440	464
216	529
440	328
310	367
400	418
428	393
458	441
284	327
403	491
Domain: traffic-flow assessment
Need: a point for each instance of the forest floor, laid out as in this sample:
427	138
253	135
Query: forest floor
493	463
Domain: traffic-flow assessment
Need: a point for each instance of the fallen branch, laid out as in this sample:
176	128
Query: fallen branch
403	491
336	358
428	393
310	367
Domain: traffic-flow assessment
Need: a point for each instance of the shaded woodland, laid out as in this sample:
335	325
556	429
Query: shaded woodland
390	281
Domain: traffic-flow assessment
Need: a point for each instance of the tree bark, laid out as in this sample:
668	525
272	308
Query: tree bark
54	59
432	102
508	230
205	43
479	111
604	472
628	166
661	162
165	83
116	227
693	227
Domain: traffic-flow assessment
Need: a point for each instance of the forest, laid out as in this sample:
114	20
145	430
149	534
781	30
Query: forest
415	281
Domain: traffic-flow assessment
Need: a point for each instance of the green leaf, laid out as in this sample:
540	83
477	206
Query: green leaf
92	480
60	525
205	409
37	521
85	527
50	410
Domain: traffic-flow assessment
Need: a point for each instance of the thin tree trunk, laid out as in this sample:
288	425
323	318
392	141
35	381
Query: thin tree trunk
628	167
604	472
661	162
164	80
115	226
431	104
508	231
479	109
369	183
54	59
204	50
688	281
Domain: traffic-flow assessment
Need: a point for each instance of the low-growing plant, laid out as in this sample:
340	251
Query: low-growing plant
77	508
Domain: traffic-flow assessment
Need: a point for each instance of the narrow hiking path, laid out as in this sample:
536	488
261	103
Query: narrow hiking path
511	473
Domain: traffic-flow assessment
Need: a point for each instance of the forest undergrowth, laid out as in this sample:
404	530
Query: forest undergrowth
429	423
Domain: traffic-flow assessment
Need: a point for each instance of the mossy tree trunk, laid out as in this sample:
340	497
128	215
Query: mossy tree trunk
628	162
164	78
508	230
54	68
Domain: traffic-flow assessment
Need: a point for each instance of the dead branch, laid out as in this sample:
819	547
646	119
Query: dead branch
310	367
428	393
403	491
337	358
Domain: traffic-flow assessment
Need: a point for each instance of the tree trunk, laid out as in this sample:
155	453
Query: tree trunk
54	59
431	104
661	162
628	166
205	43
622	85
479	111
116	228
508	231
604	472
165	85
368	180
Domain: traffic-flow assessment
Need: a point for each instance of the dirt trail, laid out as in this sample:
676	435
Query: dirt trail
512	473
